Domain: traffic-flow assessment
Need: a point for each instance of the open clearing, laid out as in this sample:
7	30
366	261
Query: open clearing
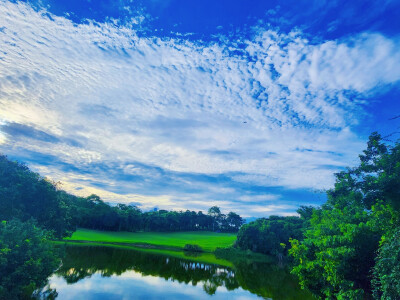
208	241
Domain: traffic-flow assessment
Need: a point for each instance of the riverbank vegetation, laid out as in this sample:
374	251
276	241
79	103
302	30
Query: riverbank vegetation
26	259
271	235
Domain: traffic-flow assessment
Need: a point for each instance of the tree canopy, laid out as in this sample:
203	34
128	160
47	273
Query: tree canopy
338	254
26	259
25	194
270	235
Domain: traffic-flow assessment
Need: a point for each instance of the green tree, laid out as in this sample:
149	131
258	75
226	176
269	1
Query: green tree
387	269
305	212
215	213
234	221
25	194
270	235
26	259
338	253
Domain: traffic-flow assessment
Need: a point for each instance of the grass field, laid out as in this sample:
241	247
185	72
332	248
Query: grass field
208	241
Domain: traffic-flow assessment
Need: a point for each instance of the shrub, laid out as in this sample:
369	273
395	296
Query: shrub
192	248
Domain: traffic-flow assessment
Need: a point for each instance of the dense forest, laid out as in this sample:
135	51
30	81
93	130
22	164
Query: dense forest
348	248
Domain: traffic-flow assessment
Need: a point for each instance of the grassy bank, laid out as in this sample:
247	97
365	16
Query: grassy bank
208	241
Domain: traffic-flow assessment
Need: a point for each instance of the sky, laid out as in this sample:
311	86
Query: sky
181	104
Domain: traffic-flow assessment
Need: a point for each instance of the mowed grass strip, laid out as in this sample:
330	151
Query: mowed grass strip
208	241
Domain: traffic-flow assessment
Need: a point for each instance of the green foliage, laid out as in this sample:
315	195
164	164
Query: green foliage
270	235
26	259
305	213
387	269
232	223
192	248
337	255
214	211
25	195
93	213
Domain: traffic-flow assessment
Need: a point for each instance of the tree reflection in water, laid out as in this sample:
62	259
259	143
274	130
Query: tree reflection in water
263	279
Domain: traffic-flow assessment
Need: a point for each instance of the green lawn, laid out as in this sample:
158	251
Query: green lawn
208	241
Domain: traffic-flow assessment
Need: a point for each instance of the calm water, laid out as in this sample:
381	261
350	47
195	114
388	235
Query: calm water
113	273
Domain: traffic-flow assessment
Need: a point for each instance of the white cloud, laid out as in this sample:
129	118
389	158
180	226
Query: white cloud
258	198
280	115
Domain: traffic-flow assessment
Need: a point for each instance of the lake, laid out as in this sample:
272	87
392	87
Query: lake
99	272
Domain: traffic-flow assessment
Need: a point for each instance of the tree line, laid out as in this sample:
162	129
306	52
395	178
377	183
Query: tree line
91	212
25	195
348	248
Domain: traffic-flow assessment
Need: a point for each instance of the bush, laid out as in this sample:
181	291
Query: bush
192	248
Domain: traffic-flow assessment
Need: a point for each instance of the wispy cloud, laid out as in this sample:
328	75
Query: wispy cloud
273	111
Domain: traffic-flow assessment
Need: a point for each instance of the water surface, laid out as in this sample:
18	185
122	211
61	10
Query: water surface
98	272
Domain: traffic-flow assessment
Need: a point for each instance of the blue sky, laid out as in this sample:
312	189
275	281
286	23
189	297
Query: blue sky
248	105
